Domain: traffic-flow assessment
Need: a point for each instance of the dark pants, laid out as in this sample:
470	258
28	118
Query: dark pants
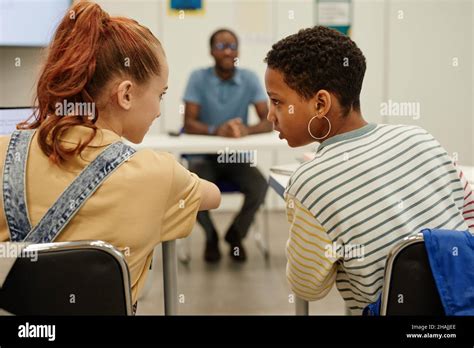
245	178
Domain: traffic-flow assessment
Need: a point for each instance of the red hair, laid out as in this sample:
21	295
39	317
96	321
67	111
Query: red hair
89	48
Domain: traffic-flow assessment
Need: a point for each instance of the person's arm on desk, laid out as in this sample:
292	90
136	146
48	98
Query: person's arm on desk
192	125
241	130
211	196
311	268
236	129
187	195
264	125
260	101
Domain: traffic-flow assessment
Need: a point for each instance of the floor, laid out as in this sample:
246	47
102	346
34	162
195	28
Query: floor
257	287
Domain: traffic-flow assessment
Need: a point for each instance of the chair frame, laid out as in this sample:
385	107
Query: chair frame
170	276
391	257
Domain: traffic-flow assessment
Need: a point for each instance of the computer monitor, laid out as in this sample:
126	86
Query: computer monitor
11	116
30	22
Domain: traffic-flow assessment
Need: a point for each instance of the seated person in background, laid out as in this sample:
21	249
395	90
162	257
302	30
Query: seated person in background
216	103
148	199
369	185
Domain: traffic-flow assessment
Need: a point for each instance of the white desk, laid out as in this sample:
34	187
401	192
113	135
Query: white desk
278	182
210	144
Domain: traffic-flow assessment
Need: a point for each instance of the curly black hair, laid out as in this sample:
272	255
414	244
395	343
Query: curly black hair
320	58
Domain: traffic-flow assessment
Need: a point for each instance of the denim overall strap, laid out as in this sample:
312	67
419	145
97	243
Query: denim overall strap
72	199
14	203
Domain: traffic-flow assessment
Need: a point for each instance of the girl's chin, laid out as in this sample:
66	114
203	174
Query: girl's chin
289	142
295	143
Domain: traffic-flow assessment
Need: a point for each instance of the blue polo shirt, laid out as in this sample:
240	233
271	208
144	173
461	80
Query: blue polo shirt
222	100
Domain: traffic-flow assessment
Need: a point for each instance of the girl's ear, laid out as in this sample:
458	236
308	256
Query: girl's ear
322	103
124	95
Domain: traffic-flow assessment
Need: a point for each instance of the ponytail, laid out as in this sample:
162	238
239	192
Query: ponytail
89	48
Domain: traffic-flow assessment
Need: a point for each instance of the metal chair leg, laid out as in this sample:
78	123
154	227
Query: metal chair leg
266	230
170	277
262	239
301	306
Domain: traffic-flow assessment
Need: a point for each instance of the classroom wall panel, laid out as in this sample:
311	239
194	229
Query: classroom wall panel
430	67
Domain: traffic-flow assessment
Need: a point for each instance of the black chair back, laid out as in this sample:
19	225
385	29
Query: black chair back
409	286
68	278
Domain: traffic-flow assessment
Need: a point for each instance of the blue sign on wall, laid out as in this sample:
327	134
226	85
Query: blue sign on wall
186	4
335	14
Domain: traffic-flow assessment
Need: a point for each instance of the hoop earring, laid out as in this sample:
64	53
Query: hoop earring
309	128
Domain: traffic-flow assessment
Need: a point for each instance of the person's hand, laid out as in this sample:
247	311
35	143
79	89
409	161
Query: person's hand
225	130
241	129
233	128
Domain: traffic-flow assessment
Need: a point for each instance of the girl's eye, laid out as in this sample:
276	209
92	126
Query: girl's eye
275	102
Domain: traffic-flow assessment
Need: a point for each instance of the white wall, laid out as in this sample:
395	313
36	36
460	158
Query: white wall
19	68
368	32
423	45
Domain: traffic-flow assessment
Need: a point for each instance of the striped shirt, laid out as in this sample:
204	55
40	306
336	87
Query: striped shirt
364	191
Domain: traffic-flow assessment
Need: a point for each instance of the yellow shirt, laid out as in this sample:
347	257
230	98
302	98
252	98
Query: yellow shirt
147	200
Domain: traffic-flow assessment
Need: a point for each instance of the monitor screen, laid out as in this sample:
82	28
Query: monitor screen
10	117
30	22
